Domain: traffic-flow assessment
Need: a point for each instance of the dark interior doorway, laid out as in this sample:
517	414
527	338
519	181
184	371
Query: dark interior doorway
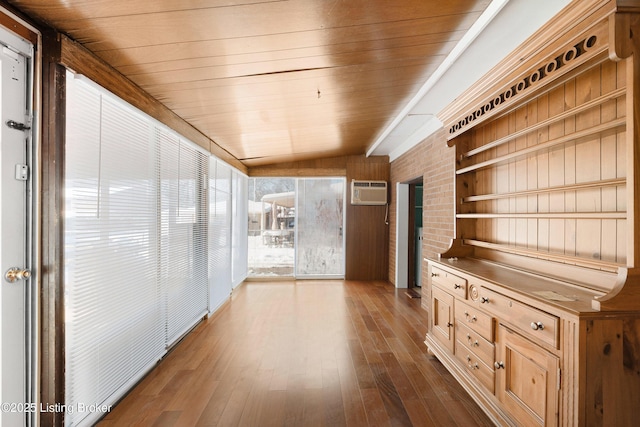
414	225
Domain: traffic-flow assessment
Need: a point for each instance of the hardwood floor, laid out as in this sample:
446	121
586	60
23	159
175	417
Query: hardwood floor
303	353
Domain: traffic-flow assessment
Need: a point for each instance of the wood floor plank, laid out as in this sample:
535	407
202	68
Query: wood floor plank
303	353
398	416
353	405
294	408
419	414
374	407
272	411
333	405
251	412
362	367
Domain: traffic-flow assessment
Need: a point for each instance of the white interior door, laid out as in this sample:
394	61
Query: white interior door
13	231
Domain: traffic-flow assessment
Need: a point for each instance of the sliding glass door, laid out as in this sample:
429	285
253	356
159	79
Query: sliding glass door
271	227
320	224
296	227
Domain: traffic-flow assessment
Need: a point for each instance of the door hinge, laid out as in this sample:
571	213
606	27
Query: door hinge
22	172
17	126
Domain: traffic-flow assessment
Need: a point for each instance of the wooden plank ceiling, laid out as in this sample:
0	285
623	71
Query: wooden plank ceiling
271	80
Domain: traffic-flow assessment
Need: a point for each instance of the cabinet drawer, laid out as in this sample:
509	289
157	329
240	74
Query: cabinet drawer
536	324
477	367
482	348
449	282
474	319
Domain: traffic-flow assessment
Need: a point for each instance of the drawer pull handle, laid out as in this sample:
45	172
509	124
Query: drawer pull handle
456	286
449	324
499	365
472	319
472	343
434	274
471	365
537	326
484	300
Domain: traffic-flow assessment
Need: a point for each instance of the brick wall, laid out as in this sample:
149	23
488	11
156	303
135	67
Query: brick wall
435	162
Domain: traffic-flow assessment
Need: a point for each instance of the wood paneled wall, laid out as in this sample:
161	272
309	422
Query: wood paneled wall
367	232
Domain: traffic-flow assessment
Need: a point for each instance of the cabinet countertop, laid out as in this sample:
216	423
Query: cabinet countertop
515	282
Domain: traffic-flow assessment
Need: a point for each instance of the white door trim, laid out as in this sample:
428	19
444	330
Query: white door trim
402	235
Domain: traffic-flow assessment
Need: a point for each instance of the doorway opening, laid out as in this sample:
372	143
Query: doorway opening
409	236
414	228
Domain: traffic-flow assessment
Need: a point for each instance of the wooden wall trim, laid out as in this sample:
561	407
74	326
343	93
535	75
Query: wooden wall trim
579	20
52	381
18	28
329	166
335	166
295	172
80	60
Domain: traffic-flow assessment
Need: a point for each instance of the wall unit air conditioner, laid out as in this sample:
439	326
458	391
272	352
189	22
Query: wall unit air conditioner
368	192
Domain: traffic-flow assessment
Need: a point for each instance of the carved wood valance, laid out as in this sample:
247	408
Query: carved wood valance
583	32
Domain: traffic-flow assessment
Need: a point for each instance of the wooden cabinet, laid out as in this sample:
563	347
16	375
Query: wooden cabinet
527	379
500	345
542	278
442	317
526	345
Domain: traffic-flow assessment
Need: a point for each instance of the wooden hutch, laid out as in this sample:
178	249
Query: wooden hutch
535	308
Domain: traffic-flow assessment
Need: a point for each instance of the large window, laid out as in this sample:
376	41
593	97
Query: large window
114	322
296	227
149	230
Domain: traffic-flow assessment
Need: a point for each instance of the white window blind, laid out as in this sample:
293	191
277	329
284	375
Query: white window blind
183	266
113	313
239	224
219	233
136	245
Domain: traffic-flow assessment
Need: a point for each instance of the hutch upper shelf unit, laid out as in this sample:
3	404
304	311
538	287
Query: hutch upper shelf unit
535	307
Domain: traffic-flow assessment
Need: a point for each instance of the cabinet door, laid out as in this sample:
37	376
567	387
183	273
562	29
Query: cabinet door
526	379
442	317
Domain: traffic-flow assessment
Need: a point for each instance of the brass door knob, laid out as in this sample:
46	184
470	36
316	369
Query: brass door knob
15	273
